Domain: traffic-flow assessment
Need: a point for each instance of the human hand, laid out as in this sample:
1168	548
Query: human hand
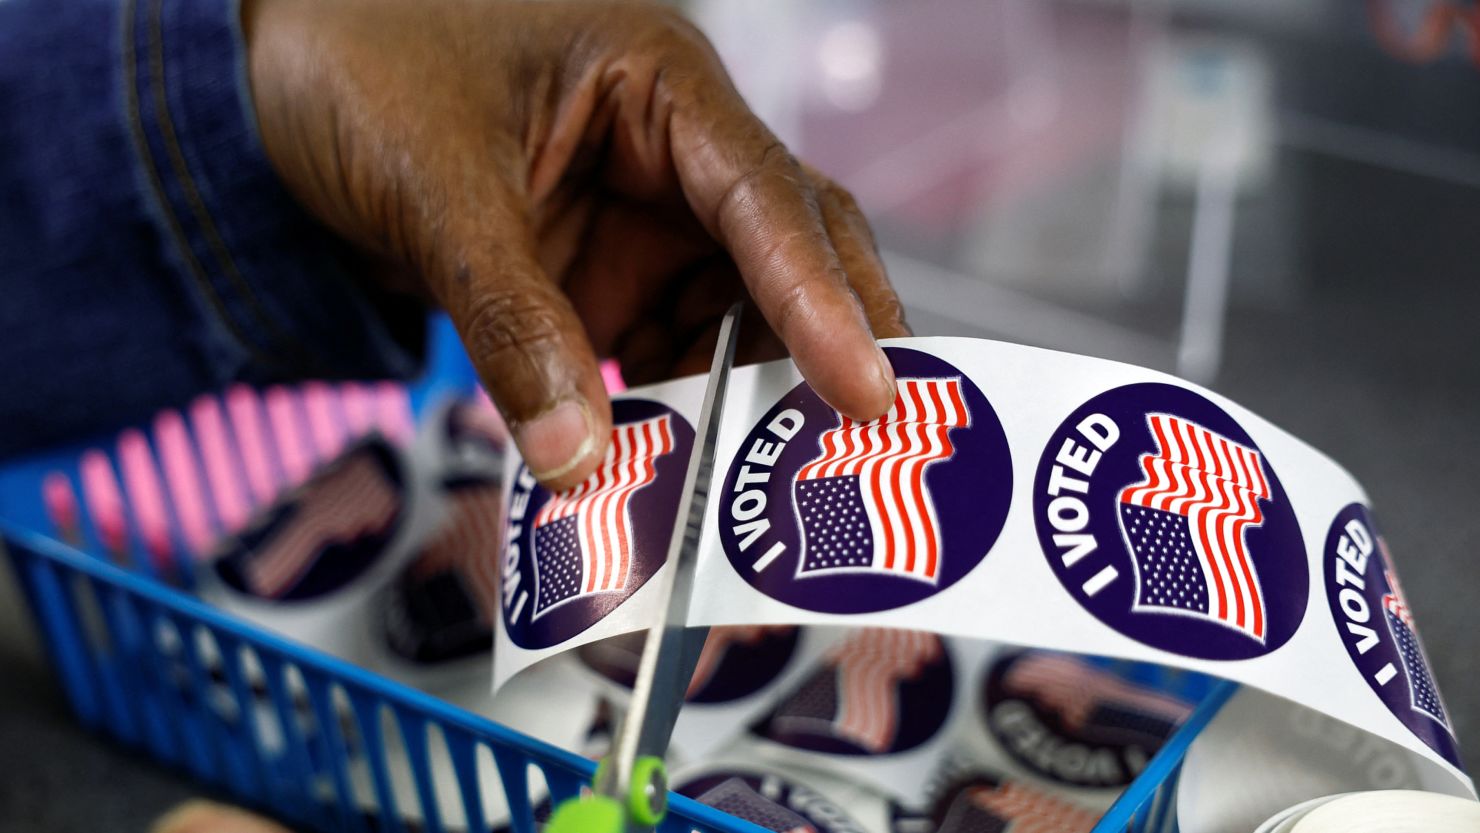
200	816
568	180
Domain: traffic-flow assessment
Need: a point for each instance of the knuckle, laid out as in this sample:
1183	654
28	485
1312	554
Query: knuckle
793	311
774	161
672	30
842	197
509	324
890	310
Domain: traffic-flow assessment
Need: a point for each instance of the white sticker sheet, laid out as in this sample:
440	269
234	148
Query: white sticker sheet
1013	495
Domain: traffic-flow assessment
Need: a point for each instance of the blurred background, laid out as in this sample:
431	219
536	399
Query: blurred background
1277	199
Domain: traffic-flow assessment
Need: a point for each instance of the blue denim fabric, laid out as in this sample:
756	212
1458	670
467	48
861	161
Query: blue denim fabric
148	252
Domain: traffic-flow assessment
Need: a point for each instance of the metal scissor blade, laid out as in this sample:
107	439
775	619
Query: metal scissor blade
671	650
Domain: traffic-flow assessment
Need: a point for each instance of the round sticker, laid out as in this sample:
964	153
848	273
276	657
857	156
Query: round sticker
1162	518
572	558
880	691
827	514
737	660
1084	721
1377	628
325	535
768	800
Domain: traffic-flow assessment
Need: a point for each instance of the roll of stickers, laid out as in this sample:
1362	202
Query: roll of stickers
1394	811
1011	494
1301	755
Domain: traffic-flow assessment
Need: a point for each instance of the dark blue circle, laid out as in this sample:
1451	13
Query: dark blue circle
1276	547
1395	693
1110	745
970	491
653	509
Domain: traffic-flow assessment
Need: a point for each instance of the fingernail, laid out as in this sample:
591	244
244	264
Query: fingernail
886	377
558	440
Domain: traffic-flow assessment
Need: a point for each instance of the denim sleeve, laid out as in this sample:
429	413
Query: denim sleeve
148	252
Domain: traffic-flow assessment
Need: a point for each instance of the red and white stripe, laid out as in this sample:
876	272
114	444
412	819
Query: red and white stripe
1074	689
1394	602
1030	811
1217	484
889	456
601	501
718	643
347	501
468	543
870	667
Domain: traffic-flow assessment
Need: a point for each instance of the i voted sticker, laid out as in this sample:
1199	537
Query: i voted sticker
879	692
768	800
828	514
572	558
966	799
320	538
1377	628
1163	519
1084	721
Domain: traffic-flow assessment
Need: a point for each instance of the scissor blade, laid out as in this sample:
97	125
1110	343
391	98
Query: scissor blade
671	651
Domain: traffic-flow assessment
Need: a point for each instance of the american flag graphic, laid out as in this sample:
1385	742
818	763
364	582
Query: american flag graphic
863	502
467	545
855	696
718	644
583	537
1014	808
739	799
1186	523
1092	700
1422	693
347	501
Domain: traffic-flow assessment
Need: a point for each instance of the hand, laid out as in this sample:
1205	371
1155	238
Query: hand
199	816
568	180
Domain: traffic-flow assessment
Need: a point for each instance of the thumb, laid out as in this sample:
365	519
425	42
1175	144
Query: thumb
531	353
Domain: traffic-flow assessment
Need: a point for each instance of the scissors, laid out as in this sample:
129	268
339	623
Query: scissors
630	791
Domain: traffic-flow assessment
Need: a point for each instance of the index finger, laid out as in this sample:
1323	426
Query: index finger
753	196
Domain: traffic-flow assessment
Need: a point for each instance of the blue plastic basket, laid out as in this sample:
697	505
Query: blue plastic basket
285	728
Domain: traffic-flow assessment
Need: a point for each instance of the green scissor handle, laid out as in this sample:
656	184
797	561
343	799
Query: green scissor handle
592	814
646	804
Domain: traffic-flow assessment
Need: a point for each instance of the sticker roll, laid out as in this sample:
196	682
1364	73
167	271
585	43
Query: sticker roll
1012	495
1261	754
